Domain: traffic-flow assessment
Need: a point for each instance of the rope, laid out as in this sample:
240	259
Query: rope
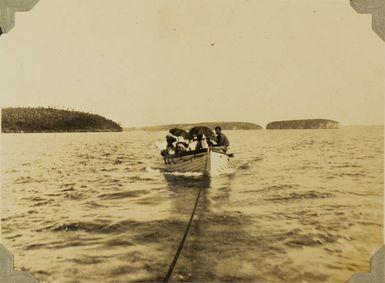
171	268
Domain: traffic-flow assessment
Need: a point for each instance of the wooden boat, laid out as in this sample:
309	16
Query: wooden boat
208	161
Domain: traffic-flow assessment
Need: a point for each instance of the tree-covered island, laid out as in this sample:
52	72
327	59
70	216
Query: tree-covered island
303	124
45	120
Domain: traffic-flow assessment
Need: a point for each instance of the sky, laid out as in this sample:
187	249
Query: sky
158	62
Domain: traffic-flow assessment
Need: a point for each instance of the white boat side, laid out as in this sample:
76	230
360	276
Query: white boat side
206	161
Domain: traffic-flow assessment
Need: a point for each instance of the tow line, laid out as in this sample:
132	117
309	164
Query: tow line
170	270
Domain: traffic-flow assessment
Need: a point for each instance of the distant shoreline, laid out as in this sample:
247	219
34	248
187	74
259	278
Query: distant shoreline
51	120
212	125
134	129
276	125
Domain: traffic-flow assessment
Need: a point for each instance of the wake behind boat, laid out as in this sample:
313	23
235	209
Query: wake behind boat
200	151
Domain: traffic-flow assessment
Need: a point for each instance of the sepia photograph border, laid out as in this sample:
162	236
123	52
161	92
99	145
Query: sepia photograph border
8	8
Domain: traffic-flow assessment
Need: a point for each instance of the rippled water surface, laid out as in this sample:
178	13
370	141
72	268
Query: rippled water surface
295	205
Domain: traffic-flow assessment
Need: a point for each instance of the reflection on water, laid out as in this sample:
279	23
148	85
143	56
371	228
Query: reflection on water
293	206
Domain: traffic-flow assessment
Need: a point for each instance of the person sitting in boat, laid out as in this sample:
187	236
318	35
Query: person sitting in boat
221	139
181	145
171	145
201	142
193	142
209	142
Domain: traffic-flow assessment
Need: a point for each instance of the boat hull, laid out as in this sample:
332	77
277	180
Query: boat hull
205	161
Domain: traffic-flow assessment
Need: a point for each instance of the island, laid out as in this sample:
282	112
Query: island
211	125
43	120
303	124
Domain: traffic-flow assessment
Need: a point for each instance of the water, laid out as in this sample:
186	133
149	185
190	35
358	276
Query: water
295	205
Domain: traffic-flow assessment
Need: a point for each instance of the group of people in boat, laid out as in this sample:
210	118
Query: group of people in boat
177	144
